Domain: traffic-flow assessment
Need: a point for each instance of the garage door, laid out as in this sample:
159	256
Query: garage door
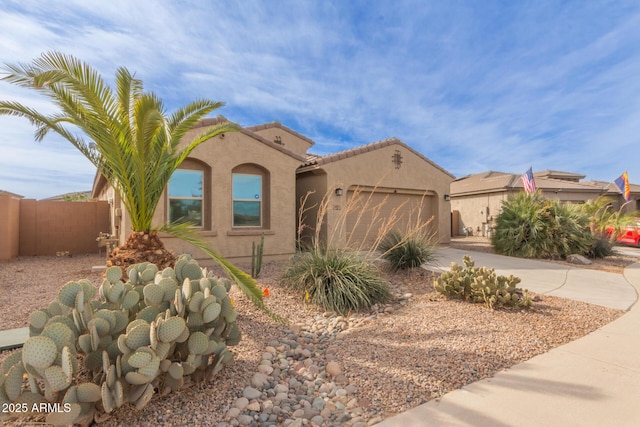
371	213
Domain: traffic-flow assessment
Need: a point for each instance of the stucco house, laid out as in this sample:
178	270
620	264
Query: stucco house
388	178
243	184
476	199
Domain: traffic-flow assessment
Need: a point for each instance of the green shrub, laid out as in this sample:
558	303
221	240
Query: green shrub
159	330
531	226
405	251
601	247
481	285
337	280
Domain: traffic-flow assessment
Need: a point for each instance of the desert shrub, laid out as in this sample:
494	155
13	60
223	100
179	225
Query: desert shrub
157	331
409	250
601	247
337	280
481	285
531	226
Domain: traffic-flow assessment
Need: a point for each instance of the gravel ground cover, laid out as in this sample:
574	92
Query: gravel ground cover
324	369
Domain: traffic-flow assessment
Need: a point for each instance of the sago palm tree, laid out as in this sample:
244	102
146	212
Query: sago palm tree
128	137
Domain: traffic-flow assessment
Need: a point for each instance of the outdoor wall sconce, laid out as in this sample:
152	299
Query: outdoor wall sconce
447	197
339	192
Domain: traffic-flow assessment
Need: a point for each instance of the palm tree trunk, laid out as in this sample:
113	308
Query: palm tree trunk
142	246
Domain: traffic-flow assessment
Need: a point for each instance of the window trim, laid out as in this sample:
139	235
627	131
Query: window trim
260	201
202	198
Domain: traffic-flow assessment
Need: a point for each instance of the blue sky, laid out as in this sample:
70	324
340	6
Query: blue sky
474	86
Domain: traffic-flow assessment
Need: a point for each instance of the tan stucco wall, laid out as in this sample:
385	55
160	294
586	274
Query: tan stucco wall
222	155
289	141
376	169
473	210
9	227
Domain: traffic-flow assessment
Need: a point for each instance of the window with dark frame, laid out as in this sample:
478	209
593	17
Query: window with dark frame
186	199
247	200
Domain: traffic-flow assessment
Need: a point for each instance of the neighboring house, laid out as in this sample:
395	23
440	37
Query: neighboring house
78	196
476	199
241	185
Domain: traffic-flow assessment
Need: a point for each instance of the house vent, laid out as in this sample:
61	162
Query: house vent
278	140
396	159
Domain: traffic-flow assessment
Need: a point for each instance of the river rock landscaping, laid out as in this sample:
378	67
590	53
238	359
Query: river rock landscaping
323	369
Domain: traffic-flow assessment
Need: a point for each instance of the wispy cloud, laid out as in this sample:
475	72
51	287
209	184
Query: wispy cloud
501	87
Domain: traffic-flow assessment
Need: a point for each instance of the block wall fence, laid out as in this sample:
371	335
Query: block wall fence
34	228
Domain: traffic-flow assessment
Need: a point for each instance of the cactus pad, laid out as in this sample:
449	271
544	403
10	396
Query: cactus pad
68	293
153	294
115	292
148	314
107	399
131	298
64	417
38	319
198	343
13	381
60	334
194	320
88	392
196	300
140	358
138	336
148	273
145	398
39	352
56	378
211	312
11	360
150	369
171	329
113	274
219	291
135	378
191	270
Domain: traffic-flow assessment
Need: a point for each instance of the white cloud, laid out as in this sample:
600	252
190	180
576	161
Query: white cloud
472	88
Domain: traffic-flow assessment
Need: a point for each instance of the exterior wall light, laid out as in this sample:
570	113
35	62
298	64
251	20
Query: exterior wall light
447	197
339	192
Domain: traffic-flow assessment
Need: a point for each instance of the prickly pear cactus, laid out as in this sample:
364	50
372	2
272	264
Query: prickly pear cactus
481	285
148	330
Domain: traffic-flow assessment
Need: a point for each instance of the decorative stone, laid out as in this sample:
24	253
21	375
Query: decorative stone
578	259
241	403
251	393
258	380
254	406
333	369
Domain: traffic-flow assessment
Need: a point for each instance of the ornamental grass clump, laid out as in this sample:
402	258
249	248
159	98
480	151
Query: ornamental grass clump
337	280
404	251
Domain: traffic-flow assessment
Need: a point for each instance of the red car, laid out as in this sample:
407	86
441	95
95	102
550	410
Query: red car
630	234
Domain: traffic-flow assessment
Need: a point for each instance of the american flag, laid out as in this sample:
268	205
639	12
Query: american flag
529	182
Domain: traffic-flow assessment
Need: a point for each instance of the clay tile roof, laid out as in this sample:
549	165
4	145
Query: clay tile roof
317	161
279	125
491	181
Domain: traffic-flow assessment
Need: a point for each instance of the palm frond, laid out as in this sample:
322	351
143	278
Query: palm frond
245	283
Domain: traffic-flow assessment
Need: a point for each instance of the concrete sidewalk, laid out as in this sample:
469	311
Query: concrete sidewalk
581	284
593	381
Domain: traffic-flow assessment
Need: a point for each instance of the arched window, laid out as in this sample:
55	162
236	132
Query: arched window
189	194
250	197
